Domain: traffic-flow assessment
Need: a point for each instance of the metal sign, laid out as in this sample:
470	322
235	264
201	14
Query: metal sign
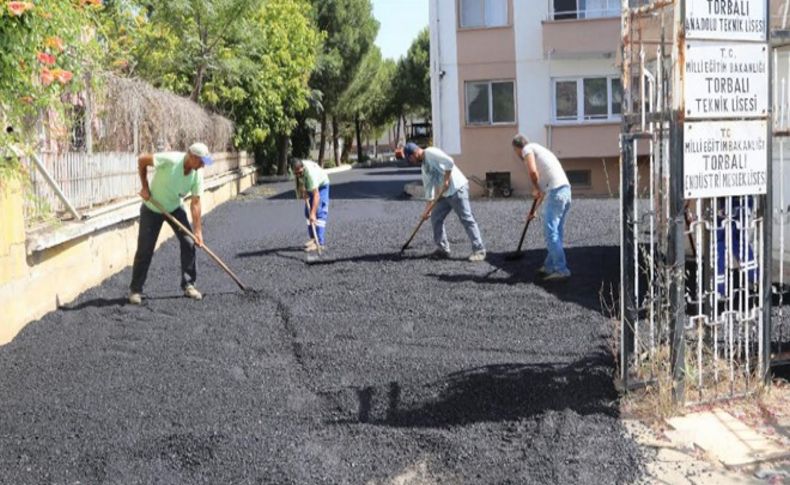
727	20
726	80
725	158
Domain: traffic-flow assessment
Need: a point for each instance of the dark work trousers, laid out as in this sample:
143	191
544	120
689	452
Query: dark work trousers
150	226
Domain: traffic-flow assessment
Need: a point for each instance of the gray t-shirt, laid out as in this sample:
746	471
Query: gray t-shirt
550	172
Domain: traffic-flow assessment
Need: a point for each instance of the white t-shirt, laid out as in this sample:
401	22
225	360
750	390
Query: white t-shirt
550	172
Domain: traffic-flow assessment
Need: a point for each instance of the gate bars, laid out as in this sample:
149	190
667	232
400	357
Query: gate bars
695	274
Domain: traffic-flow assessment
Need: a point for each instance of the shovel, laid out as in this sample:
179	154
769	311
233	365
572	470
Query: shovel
317	257
186	231
416	229
518	254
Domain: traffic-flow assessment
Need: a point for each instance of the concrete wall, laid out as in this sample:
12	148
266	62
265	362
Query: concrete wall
33	285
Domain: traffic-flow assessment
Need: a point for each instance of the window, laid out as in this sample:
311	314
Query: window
586	9
587	99
579	178
490	102
483	13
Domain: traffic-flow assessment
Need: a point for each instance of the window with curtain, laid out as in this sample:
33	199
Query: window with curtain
484	13
587	99
490	102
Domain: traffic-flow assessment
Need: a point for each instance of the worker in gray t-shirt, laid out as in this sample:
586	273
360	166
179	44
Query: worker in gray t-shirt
550	182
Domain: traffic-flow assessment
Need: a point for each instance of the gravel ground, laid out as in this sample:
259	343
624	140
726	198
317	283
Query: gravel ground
357	369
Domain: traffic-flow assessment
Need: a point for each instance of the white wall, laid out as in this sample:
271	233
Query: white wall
532	74
445	101
534	71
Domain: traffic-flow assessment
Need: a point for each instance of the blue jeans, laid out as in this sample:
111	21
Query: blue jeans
555	209
321	214
458	202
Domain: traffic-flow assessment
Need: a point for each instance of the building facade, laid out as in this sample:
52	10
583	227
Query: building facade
545	68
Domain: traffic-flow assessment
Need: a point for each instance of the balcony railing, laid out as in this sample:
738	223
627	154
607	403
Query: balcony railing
587	9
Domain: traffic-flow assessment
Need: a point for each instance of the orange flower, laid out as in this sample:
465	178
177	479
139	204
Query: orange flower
18	8
46	76
45	58
54	43
62	76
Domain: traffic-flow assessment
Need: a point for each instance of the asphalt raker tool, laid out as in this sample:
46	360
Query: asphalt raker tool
519	254
189	233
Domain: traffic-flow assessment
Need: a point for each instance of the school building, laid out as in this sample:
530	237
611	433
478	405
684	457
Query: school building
546	68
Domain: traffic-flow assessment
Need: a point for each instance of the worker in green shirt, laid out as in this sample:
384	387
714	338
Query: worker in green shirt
176	174
315	182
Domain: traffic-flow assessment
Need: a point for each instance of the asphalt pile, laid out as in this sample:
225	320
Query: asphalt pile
355	369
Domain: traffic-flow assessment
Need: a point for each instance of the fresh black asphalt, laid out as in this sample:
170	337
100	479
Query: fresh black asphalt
358	369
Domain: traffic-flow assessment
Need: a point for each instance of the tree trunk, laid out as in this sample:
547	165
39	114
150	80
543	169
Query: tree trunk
397	132
198	83
284	145
359	138
335	136
323	140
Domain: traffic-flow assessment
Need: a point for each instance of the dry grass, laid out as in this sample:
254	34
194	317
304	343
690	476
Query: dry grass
164	121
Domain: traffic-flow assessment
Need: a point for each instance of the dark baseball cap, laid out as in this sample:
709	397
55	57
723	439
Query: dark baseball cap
409	149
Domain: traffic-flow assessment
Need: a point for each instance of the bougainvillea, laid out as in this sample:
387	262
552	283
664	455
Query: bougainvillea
44	45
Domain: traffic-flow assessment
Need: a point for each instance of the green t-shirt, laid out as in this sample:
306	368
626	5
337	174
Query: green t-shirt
169	185
314	176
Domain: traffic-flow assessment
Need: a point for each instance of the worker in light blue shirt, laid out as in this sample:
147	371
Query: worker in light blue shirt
446	189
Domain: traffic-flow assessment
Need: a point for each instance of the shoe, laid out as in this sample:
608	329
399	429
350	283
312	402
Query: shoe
314	248
309	242
310	246
542	271
477	256
135	298
191	292
440	254
559	275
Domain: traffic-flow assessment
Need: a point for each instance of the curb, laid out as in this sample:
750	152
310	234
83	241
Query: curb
340	169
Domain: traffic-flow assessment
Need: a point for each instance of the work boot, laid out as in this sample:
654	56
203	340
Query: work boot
191	292
135	298
310	242
440	254
558	276
310	246
478	256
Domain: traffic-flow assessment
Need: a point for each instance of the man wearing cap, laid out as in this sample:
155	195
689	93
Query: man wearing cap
176	174
550	182
313	183
444	183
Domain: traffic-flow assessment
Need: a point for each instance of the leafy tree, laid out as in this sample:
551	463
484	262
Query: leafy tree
247	59
350	31
365	100
414	75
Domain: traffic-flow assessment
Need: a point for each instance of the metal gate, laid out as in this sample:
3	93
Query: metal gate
695	265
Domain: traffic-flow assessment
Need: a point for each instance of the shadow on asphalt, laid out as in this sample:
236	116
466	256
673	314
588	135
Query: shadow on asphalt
411	171
384	189
110	302
327	259
493	393
595	269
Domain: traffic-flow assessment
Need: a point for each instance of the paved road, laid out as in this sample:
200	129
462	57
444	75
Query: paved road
360	369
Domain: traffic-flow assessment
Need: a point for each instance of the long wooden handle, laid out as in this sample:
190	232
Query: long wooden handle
315	238
529	219
194	238
419	225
